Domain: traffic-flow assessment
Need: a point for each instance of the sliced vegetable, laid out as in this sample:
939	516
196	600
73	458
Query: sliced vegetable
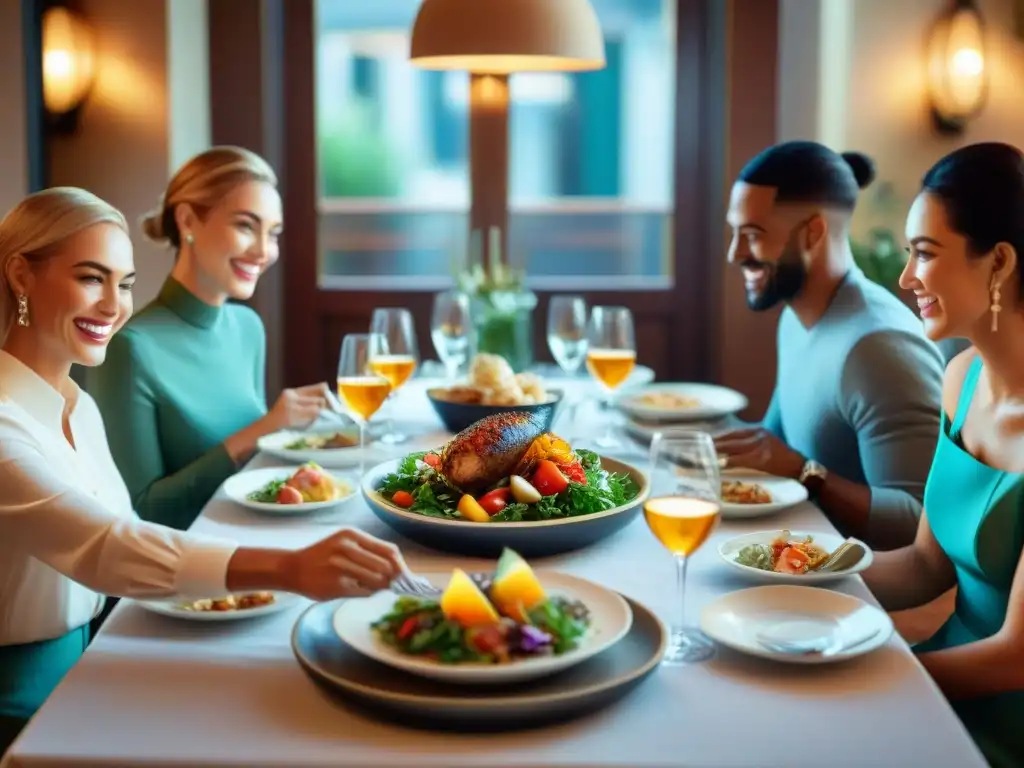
522	491
409	626
495	501
548	479
574	471
432	460
792	560
286	494
470	509
402	499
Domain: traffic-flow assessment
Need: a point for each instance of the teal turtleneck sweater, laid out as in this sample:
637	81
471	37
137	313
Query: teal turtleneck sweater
179	378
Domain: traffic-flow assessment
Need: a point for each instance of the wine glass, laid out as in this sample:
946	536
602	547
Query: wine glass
450	329
611	354
681	513
393	355
567	339
361	390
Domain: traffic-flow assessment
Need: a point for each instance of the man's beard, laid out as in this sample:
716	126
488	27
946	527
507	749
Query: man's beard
783	282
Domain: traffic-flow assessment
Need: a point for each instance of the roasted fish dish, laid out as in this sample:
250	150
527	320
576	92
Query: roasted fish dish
490	450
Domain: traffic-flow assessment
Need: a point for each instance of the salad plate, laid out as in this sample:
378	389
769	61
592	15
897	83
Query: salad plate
414	701
247	605
681	402
332	446
575	621
755	494
288	491
789	557
796	625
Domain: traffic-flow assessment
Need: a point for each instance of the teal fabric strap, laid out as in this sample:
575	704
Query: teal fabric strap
963	405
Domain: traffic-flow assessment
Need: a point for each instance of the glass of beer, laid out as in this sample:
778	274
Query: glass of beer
611	354
681	513
361	389
393	355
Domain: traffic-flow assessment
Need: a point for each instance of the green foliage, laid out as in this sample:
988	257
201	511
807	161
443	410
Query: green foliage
880	258
356	160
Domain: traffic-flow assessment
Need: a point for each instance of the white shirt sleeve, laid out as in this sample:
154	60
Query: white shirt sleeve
44	516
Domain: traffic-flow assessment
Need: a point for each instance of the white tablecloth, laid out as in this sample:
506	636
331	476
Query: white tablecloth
154	691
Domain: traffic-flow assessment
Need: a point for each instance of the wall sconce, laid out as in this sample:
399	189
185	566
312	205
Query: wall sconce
69	65
957	69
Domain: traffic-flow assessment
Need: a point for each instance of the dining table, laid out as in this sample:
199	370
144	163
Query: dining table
154	690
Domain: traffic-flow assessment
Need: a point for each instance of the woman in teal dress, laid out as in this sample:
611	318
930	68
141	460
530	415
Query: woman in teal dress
182	391
966	236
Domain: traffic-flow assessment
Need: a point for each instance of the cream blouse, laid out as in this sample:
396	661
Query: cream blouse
68	533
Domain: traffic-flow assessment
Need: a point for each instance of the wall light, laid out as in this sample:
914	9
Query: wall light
957	69
69	62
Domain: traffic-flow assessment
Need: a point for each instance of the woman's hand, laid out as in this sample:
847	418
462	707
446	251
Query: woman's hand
348	563
298	407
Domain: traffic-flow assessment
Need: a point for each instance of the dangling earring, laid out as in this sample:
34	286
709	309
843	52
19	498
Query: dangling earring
23	310
996	307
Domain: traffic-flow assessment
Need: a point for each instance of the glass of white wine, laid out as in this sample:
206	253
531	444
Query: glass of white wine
450	329
611	354
361	390
393	355
682	511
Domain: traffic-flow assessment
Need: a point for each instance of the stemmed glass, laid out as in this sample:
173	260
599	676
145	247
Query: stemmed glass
567	339
361	390
393	355
681	513
450	329
611	354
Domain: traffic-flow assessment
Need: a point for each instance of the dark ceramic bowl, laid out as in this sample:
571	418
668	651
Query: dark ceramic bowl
530	539
457	416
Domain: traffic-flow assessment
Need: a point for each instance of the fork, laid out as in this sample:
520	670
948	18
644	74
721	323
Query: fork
411	585
826	646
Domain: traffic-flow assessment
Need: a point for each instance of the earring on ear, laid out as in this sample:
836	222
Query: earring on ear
189	239
23	310
996	307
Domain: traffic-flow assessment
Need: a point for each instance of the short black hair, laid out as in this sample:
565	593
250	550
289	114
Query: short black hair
808	172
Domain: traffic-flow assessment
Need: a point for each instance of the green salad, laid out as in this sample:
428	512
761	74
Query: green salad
419	627
584	488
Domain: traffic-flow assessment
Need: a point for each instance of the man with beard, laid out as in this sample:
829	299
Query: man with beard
855	412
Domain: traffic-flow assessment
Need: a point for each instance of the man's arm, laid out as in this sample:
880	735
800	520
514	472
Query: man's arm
890	394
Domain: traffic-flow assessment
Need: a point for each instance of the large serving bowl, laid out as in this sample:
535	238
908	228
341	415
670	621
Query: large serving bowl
457	416
530	539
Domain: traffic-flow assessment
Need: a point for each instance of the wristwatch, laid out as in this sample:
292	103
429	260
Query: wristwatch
813	477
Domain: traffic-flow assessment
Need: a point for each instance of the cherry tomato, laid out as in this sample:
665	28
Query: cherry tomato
487	639
574	471
402	499
495	501
286	494
432	460
548	479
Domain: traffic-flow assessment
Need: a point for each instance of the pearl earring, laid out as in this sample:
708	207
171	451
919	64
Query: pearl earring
189	239
23	310
996	307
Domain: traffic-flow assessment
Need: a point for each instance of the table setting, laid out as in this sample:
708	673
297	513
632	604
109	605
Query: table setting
588	586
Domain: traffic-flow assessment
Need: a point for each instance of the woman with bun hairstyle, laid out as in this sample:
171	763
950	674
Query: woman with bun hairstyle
68	533
965	232
183	388
855	409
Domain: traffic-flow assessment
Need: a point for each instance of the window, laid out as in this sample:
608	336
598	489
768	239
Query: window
590	169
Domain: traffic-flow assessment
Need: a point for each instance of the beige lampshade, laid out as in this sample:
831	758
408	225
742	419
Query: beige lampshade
504	36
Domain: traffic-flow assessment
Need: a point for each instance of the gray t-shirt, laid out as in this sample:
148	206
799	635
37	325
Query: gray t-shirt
860	392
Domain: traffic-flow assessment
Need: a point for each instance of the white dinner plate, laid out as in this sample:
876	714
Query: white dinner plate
728	550
849	626
610	617
710	402
175	609
785	493
276	445
238	487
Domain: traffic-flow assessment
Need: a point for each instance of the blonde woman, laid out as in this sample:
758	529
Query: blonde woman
67	529
183	386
